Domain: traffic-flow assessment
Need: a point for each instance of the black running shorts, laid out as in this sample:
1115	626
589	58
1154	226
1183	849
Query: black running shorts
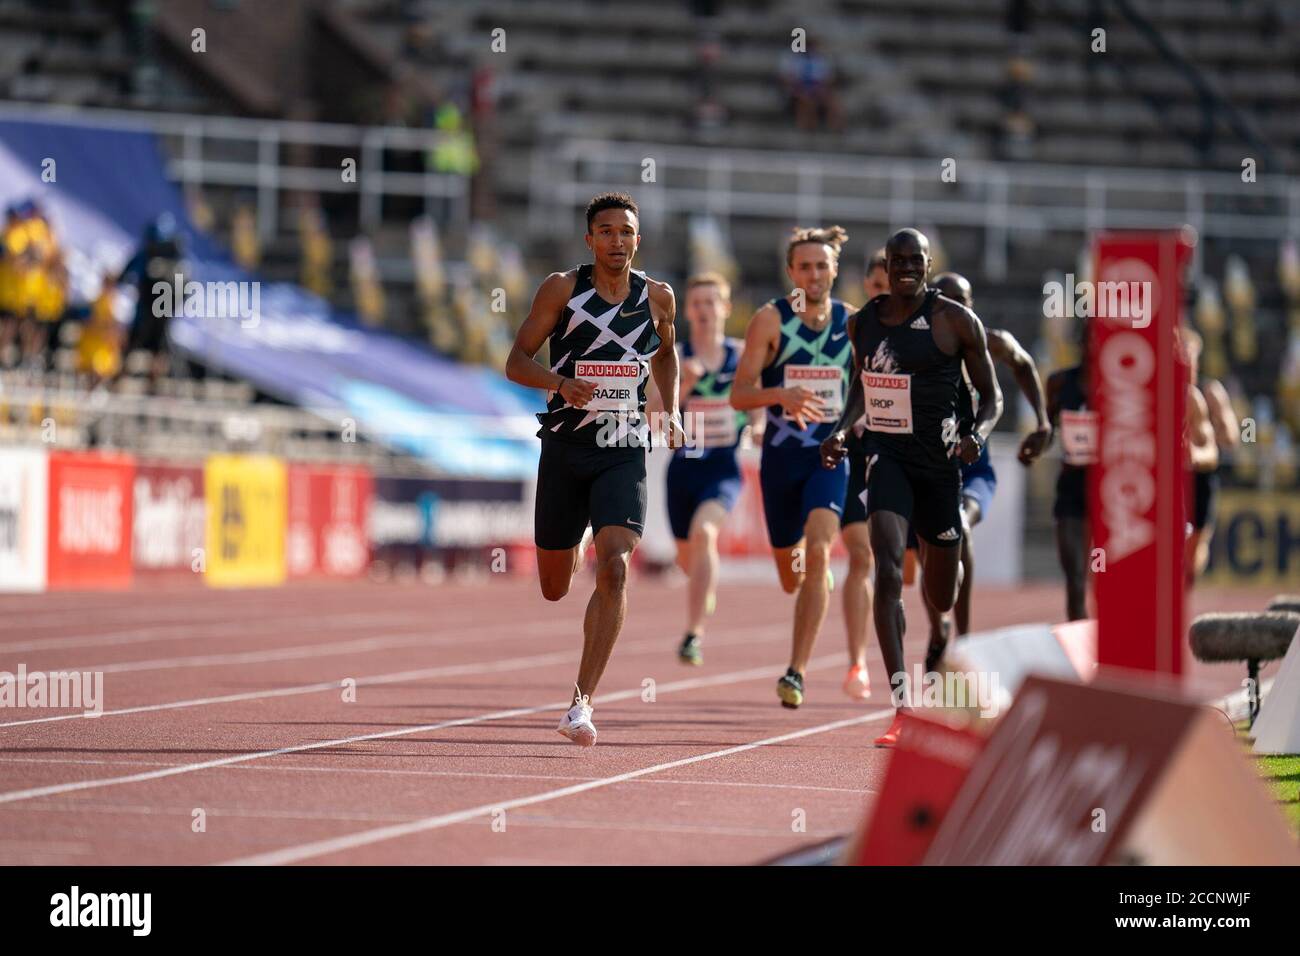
928	498
580	484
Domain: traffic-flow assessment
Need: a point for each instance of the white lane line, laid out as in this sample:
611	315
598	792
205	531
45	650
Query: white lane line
185	602
323	649
471	774
353	816
14	796
190	630
352	841
148	611
449	670
533	627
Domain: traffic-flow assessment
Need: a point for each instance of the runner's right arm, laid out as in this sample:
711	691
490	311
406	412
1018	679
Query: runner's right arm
761	341
1004	348
521	366
855	406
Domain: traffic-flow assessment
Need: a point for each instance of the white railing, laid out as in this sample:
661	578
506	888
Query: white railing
57	409
1025	199
259	163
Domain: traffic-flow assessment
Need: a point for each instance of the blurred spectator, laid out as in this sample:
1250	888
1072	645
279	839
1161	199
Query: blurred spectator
1017	126
158	261
11	242
455	152
317	251
244	241
99	350
809	82
367	291
710	115
33	285
483	124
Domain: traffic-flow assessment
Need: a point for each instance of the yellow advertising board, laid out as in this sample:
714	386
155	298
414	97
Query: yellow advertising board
246	516
1256	539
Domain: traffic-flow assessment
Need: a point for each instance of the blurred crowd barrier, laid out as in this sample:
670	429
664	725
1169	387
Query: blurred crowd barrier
77	520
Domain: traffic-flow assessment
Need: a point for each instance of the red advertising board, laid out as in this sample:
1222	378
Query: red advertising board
329	510
90	508
168	524
1136	488
926	771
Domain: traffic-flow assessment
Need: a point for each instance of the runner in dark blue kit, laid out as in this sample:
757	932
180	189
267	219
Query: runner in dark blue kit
703	481
609	328
796	359
909	348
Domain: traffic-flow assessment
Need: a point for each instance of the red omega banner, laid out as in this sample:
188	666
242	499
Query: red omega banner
1137	487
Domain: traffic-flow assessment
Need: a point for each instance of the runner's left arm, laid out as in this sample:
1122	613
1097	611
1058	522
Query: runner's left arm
975	355
1004	348
664	366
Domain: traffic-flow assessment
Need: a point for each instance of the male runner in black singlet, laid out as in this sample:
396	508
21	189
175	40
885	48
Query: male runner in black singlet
609	326
909	348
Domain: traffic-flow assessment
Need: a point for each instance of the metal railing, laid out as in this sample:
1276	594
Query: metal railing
190	417
252	155
1025	199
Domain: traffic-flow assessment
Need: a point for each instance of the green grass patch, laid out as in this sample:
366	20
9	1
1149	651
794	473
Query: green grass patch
1283	776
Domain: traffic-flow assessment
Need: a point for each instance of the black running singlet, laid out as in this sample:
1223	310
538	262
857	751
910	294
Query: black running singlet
913	389
1076	430
609	345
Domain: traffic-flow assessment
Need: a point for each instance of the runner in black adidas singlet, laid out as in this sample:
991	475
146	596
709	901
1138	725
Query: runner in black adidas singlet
1076	427
609	327
909	348
978	480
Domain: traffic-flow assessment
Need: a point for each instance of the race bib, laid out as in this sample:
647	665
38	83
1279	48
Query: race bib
826	381
711	423
889	402
616	384
1079	437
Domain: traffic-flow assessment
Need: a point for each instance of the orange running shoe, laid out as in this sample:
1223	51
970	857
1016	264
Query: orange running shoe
856	683
889	738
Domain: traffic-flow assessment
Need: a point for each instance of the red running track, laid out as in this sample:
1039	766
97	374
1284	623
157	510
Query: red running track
231	703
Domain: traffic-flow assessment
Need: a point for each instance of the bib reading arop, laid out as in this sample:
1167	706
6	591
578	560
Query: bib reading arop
888	399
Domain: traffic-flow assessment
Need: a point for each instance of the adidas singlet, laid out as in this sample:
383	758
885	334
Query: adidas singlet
912	388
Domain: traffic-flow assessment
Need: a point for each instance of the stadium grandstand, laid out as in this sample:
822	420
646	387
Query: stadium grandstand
268	261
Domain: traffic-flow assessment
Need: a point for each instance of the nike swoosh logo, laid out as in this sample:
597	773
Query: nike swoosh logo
836	338
628	315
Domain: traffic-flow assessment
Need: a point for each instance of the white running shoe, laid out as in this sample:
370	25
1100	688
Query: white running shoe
577	725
